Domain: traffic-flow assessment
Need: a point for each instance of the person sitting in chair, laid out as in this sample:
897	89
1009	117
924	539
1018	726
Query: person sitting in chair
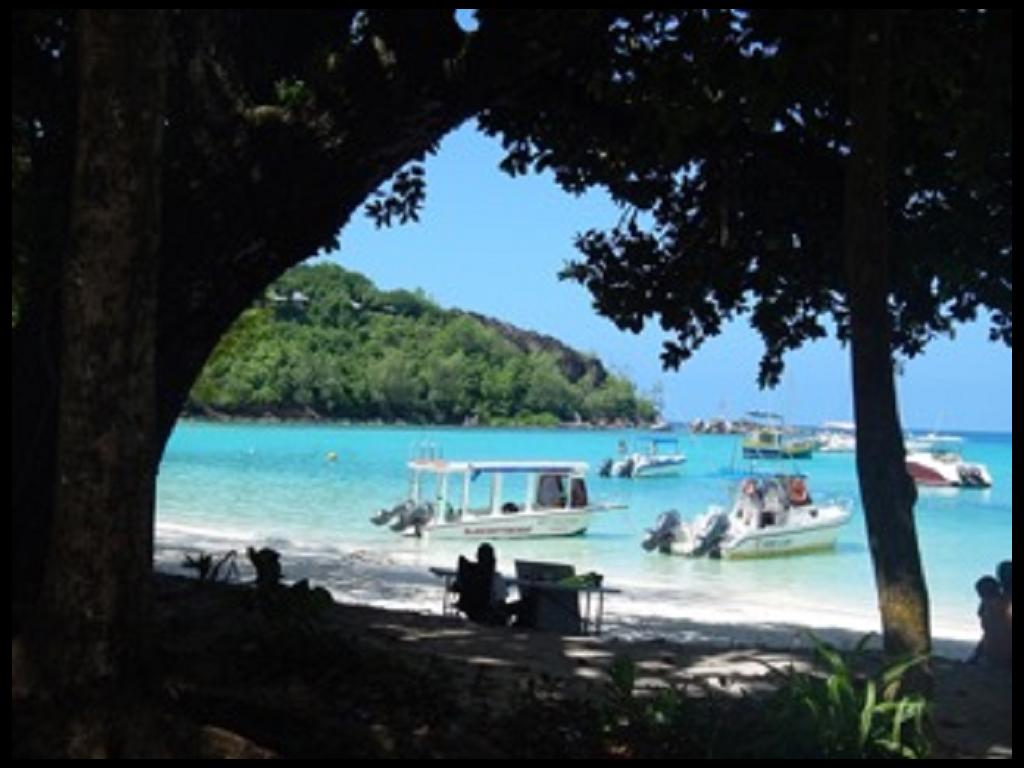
482	590
996	615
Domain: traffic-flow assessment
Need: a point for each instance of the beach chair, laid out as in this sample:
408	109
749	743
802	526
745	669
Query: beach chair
552	610
473	589
473	586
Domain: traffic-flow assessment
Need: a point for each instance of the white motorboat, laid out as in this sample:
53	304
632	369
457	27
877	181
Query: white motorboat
446	500
837	437
946	469
771	515
659	457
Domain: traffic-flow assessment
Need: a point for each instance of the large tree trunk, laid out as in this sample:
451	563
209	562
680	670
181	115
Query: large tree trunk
244	200
887	491
91	631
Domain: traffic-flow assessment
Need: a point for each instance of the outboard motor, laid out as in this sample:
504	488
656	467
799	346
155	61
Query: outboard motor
385	516
626	470
971	476
414	516
606	468
663	533
708	532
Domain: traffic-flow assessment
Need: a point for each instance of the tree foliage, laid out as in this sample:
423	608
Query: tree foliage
791	167
749	214
325	342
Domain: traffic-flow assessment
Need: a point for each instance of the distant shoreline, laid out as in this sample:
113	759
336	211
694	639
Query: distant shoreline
676	427
293	419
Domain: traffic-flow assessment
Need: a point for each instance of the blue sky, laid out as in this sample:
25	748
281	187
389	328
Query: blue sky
495	245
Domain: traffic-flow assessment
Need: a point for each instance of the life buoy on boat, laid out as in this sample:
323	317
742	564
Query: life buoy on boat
798	491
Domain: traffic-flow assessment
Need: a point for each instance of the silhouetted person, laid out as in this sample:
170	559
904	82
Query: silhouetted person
995	613
482	590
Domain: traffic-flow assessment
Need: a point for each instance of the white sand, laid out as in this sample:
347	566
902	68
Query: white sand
705	641
641	612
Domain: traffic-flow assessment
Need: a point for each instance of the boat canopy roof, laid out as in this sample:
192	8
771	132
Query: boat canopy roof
440	466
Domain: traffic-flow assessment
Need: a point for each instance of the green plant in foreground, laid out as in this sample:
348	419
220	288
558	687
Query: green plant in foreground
209	569
845	715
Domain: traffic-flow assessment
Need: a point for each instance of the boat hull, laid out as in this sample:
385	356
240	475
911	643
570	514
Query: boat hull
796	452
666	468
936	472
520	525
817	535
783	543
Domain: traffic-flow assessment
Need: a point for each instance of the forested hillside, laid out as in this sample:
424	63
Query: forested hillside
325	343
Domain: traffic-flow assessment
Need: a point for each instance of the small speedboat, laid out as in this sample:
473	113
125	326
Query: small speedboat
770	516
659	457
771	441
837	437
946	469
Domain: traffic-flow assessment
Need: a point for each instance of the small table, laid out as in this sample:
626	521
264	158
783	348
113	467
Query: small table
591	617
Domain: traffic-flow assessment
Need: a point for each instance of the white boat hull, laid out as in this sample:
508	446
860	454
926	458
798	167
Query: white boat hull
946	470
662	468
518	525
784	541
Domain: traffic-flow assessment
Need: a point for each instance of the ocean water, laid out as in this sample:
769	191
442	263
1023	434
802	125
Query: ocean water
237	485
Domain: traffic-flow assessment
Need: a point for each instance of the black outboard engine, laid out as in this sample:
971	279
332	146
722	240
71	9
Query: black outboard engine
971	477
414	517
606	468
710	534
663	533
385	516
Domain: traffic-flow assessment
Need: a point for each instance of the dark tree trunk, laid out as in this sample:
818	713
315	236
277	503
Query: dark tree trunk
887	491
146	300
91	630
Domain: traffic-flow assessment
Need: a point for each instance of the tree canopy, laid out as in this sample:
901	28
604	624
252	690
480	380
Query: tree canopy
749	216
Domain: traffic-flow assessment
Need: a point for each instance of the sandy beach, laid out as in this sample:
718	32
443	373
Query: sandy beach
972	712
640	612
973	705
395	607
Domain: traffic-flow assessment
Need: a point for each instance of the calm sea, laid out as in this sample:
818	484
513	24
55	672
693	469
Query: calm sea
258	484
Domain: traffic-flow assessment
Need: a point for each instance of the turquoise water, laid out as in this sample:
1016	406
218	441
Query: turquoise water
260	484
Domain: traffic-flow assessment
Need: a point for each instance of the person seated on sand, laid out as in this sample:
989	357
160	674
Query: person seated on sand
482	590
995	613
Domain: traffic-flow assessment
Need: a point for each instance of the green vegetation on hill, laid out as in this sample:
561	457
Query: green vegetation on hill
324	342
